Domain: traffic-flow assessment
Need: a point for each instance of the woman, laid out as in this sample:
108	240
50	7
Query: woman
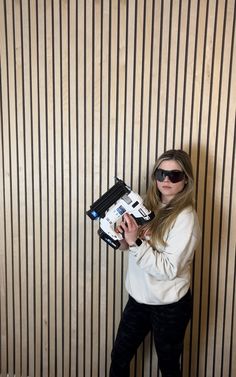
158	276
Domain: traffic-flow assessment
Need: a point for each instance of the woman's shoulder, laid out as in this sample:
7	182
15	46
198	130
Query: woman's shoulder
187	211
189	217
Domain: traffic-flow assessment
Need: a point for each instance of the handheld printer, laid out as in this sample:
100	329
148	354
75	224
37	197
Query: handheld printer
111	207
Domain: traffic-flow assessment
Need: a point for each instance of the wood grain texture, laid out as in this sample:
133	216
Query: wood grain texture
91	90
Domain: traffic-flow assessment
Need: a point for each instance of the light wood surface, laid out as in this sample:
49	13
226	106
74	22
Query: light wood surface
91	90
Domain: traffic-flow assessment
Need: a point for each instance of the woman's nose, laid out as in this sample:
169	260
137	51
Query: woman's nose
167	178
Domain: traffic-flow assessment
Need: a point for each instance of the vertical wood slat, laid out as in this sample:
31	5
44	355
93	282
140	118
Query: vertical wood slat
57	68
72	59
50	316
21	81
81	208
103	179
33	178
89	91
3	248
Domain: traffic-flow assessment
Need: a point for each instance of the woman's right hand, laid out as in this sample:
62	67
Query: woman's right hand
123	244
129	228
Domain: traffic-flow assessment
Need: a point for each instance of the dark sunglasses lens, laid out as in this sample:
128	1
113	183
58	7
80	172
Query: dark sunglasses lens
174	176
160	175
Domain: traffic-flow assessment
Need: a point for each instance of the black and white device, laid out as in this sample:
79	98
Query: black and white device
112	206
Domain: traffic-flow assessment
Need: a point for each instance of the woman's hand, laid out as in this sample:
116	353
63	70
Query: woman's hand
129	228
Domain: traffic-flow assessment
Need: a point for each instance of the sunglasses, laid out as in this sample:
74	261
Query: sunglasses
173	175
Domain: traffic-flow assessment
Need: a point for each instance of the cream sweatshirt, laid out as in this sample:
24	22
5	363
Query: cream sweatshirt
162	275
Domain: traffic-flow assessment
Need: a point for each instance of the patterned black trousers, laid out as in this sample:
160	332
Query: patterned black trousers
168	324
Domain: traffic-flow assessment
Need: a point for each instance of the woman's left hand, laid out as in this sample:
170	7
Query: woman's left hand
130	229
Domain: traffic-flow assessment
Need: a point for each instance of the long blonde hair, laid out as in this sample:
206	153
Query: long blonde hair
165	216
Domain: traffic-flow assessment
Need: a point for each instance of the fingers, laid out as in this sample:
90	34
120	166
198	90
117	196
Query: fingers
121	228
126	225
130	221
130	229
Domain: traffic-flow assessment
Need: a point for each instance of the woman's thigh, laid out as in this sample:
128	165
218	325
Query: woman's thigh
133	327
169	323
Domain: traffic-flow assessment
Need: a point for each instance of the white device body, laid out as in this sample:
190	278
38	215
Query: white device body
131	203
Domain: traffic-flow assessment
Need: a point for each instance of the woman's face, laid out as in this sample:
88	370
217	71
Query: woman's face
167	188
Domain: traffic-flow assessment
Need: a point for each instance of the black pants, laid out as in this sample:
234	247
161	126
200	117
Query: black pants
168	324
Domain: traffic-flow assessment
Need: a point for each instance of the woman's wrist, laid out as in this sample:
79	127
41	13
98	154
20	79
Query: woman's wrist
123	245
137	242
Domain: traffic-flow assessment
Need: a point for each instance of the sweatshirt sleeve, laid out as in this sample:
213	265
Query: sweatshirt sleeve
167	262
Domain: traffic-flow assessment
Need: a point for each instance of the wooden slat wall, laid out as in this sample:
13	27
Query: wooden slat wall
90	90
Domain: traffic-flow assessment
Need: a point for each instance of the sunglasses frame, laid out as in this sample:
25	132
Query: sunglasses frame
171	174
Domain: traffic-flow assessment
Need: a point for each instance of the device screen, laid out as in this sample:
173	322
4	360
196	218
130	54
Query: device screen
121	210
